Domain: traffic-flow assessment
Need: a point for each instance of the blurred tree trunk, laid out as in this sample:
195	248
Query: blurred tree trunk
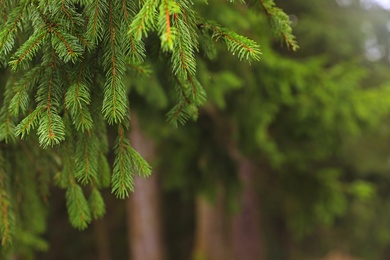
246	236
144	216
220	236
102	240
211	234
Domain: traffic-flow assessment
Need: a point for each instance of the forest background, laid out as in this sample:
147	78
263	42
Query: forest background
288	159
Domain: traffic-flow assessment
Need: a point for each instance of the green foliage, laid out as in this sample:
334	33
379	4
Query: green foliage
78	209
244	47
65	67
127	163
96	204
298	118
7	220
279	20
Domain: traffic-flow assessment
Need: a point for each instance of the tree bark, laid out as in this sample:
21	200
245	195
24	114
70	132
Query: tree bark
246	236
211	235
144	216
102	240
245	240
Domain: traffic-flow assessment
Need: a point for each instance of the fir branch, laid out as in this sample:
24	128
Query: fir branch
245	48
181	113
141	70
189	97
207	45
63	14
29	49
7	216
280	22
144	20
96	204
190	92
65	178
7	125
29	122
115	98
7	223
3	11
104	174
87	155
8	33
125	12
20	100
183	54
76	100
103	179
51	130
137	50
122	177
66	12
78	209
139	165
166	31
129	10
66	45
96	13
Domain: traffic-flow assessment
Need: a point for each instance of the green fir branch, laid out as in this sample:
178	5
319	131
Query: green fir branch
96	204
246	49
78	209
96	12
7	215
181	113
68	15
115	105
29	122
122	176
144	20
67	46
280	22
136	50
21	99
51	129
7	222
28	50
87	158
10	29
65	178
141	70
190	95
183	54
104	173
127	163
3	12
77	99
7	123
166	31
139	165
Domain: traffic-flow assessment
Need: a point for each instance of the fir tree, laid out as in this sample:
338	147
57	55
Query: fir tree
63	65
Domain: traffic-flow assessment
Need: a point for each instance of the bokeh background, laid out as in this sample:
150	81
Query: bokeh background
289	159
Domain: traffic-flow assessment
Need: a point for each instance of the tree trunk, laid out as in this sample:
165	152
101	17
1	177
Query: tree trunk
211	235
245	226
102	240
246	236
144	216
220	236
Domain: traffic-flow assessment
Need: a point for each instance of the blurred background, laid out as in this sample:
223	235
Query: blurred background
289	159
